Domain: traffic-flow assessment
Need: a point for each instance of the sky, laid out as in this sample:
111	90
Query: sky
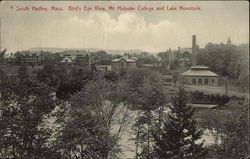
149	31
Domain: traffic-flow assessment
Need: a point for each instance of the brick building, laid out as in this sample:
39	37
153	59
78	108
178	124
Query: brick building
26	58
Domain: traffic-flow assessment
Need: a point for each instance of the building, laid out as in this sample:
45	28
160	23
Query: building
26	58
2	53
200	75
76	59
123	64
67	59
186	57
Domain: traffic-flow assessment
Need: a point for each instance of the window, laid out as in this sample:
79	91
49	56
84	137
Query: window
213	81
200	81
194	81
206	81
168	79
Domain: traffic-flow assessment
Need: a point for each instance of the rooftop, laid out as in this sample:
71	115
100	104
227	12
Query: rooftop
199	67
126	59
183	50
199	70
204	106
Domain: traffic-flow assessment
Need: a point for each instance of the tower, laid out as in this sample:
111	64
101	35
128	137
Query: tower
194	49
229	41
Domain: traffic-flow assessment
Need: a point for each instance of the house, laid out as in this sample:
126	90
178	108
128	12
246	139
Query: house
26	58
123	64
67	59
200	75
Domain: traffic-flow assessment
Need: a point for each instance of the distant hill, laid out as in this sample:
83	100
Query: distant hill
81	50
52	50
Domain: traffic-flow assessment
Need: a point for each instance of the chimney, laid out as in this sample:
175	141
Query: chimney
194	49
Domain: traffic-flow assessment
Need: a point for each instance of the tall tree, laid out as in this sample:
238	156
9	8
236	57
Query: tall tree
178	133
95	122
147	97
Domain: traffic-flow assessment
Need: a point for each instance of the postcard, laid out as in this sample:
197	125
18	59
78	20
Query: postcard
124	79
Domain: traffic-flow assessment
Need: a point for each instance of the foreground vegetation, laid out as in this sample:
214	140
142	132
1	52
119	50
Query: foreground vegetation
82	114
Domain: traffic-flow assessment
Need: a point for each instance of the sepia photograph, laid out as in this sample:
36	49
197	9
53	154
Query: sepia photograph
124	80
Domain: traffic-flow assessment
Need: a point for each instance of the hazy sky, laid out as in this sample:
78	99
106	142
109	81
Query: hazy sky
150	31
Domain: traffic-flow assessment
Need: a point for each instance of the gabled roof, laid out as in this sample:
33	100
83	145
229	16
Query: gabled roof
126	59
199	70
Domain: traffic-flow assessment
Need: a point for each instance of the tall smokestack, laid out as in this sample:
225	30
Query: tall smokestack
194	49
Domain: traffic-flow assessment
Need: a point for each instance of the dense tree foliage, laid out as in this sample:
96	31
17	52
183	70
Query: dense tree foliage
70	112
164	58
2	76
221	58
111	76
48	75
102	57
63	79
177	135
96	119
244	66
23	104
229	129
145	58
